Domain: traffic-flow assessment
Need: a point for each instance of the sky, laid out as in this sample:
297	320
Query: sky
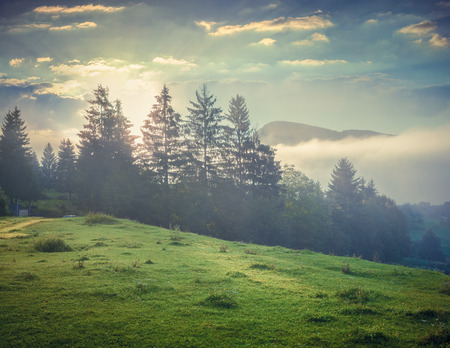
377	65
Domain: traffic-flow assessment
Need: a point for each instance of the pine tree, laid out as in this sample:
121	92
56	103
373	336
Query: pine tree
344	186
261	171
162	150
236	136
17	177
106	148
48	167
205	132
65	169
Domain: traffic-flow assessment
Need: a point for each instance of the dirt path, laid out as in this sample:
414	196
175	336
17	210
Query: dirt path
10	228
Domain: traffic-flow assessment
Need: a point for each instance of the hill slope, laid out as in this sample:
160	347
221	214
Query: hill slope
292	133
129	284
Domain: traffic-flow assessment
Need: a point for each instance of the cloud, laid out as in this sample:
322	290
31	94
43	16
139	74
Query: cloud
84	25
371	21
27	27
425	29
421	29
93	68
206	25
63	89
315	37
276	25
76	9
44	59
16	62
439	41
265	42
313	62
410	167
270	7
177	62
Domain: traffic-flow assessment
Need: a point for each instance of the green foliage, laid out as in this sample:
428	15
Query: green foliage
51	245
93	218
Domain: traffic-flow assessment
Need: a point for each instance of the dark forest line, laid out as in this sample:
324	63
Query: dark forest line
206	172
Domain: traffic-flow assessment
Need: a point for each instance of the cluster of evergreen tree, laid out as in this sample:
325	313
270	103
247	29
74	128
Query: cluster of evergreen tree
207	173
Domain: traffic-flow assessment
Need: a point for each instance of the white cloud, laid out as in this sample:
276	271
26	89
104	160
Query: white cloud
420	29
206	25
313	62
16	62
276	25
84	25
425	29
410	167
76	9
315	37
371	21
60	89
439	41
94	67
266	42
27	27
177	62
44	59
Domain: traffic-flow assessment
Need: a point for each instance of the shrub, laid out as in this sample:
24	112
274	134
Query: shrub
263	266
356	294
345	268
51	245
98	218
219	299
251	251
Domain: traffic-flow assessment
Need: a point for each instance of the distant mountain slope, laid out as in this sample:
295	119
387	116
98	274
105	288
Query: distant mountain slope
292	133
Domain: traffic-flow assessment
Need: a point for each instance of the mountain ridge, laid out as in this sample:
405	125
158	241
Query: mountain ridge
293	133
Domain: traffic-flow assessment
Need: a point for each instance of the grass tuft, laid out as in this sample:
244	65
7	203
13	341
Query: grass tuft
51	245
99	218
26	276
263	266
219	299
356	294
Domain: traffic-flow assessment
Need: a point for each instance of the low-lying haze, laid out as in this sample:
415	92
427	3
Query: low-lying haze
411	167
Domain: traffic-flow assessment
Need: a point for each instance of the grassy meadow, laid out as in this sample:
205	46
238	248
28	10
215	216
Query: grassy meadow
121	283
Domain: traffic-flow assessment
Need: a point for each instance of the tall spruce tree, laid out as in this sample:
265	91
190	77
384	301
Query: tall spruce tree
205	131
237	134
65	168
106	148
162	150
48	167
17	178
261	171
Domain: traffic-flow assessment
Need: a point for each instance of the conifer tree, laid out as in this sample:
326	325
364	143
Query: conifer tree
237	134
161	140
205	132
106	147
65	169
17	178
48	167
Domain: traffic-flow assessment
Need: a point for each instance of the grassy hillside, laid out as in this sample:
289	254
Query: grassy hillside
127	284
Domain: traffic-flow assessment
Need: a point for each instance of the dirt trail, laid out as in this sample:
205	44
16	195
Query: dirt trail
6	226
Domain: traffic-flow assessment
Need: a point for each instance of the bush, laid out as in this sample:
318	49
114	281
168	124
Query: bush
345	268
99	218
51	245
219	299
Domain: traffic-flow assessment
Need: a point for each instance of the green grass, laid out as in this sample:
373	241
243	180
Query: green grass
190	294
